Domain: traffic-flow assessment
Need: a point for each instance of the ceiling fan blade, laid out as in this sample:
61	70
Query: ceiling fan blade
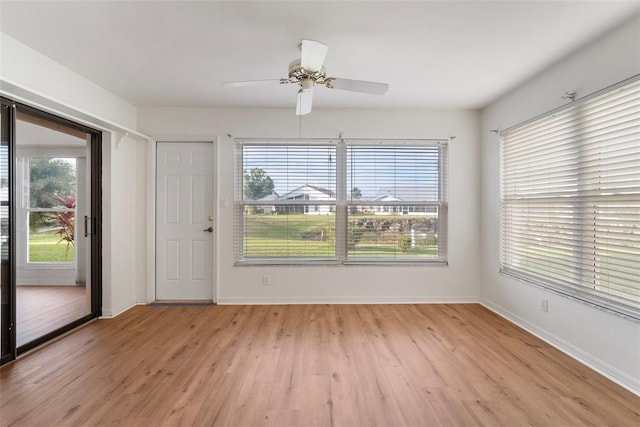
373	88
248	83
305	98
313	54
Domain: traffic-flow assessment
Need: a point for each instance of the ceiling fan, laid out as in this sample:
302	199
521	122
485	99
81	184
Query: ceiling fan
308	71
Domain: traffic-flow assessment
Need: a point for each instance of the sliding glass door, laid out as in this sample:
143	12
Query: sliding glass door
51	246
7	337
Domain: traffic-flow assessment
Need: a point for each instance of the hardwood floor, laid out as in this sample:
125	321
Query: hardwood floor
42	309
308	365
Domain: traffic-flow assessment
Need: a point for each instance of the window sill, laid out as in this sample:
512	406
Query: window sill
47	266
327	263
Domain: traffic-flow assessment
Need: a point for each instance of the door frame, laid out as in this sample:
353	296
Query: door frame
151	209
95	143
9	306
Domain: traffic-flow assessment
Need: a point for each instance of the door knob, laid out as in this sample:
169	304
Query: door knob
210	229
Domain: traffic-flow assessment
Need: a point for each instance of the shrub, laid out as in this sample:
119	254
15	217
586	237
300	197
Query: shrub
404	243
65	220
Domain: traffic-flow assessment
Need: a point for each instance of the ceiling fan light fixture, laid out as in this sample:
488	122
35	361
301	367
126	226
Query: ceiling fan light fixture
308	71
307	83
297	73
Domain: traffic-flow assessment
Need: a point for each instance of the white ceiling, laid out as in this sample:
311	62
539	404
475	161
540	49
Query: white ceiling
449	54
35	135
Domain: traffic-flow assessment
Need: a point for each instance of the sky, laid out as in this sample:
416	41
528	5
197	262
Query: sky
408	170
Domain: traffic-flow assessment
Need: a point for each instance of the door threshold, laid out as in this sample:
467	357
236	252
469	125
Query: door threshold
180	303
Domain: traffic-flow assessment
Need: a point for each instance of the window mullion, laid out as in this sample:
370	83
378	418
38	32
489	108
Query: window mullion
341	202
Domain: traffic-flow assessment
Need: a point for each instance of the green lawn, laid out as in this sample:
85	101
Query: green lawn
298	235
44	247
288	236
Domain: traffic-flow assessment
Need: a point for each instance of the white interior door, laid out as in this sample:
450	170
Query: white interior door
184	223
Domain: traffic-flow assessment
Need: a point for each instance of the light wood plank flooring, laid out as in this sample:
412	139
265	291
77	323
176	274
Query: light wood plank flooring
307	365
42	309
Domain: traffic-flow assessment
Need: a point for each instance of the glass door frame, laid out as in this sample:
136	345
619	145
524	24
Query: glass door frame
94	226
8	297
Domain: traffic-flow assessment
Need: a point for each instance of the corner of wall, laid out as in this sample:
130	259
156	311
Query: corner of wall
606	342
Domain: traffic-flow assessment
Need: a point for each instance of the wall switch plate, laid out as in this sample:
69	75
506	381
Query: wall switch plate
266	280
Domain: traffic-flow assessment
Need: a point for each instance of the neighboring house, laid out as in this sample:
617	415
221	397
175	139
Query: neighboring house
307	193
312	193
398	209
267	209
387	210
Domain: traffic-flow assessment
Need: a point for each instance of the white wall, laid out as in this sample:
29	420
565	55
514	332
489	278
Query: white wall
124	223
30	77
456	282
607	342
24	68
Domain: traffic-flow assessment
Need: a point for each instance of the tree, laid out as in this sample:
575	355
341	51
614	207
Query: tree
48	178
257	184
355	194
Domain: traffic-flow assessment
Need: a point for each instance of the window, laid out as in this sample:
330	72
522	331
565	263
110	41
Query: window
286	201
4	199
50	207
396	200
570	217
340	201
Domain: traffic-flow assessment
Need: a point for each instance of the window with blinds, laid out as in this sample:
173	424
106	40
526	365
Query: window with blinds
4	196
287	200
396	199
340	201
570	215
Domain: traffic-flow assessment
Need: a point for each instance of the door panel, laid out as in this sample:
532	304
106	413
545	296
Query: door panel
172	259
50	271
52	282
184	204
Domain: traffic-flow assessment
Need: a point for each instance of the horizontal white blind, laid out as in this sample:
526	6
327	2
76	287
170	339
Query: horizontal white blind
4	196
402	171
289	167
571	200
395	194
340	200
285	200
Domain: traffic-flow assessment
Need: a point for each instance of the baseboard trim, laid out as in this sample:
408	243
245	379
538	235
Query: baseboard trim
345	300
611	372
110	314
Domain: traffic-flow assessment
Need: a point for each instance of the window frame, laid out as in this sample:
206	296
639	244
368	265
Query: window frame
577	204
342	203
24	209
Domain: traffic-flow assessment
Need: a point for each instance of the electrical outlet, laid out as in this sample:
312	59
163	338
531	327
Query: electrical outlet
544	305
266	280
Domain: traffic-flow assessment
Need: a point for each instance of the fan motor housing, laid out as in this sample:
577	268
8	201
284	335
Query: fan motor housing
297	74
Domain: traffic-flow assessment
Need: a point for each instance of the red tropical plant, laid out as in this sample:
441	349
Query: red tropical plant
65	220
